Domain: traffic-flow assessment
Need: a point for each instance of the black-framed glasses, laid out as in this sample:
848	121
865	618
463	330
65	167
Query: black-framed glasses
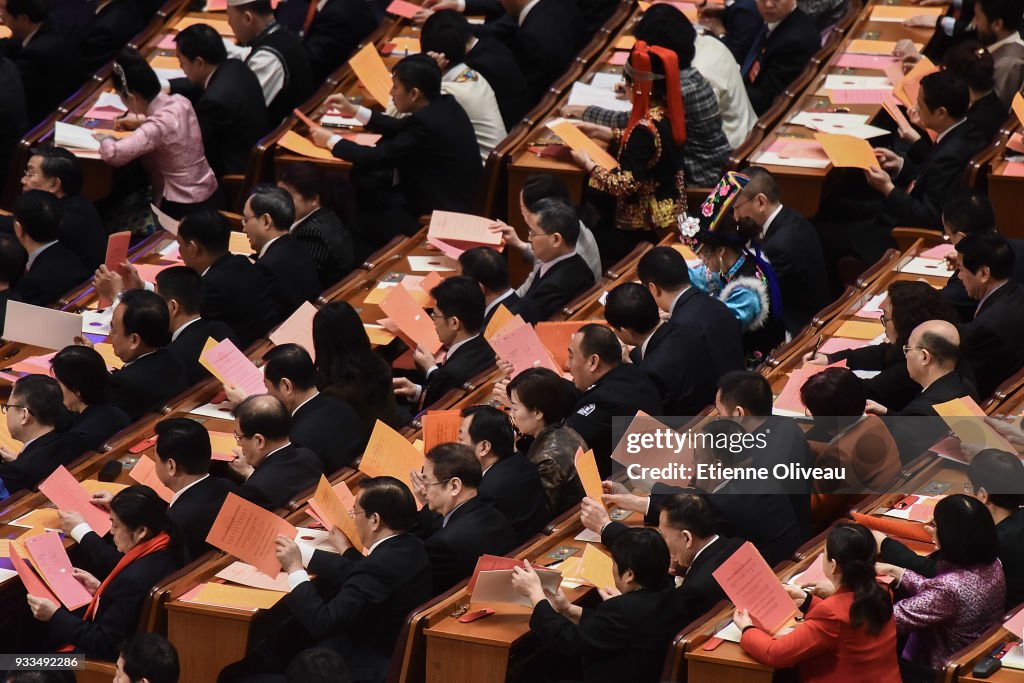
239	437
436	314
883	318
4	407
438	483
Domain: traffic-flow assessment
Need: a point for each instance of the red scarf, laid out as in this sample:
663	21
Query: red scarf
153	545
640	61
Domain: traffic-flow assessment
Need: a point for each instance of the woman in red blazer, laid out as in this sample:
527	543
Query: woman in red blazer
848	636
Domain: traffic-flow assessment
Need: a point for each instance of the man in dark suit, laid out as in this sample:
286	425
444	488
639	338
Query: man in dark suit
114	24
234	290
288	266
436	134
554	228
357	605
140	333
46	57
490	269
52	269
790	243
182	289
226	96
510	481
12	265
663	271
968	212
35	408
545	37
737	25
605	388
13	114
337	29
676	361
991	339
274	469
183	465
456	525
687	523
57	171
779	52
326	425
458	315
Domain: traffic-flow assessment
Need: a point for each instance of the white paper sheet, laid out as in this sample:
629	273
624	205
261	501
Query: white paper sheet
69	135
40	326
584	95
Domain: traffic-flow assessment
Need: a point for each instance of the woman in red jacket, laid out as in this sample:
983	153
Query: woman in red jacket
848	636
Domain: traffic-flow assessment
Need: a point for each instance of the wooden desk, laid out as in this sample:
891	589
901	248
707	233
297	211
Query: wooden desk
1005	192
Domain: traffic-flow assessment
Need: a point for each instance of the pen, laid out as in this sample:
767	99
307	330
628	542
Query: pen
817	345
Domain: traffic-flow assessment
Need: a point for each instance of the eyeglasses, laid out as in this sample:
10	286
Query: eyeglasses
353	513
7	406
908	349
883	318
436	314
239	437
29	173
438	483
531	235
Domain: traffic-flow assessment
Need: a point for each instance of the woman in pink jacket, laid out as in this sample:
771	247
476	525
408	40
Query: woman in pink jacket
166	137
848	636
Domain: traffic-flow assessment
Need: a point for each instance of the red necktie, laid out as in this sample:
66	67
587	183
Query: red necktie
310	13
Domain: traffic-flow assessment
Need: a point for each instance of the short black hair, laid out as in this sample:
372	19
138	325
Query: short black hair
1001	474
258	7
667	27
146	315
306	178
460	297
446	32
272	201
290	361
263	414
944	351
201	40
59	163
41	396
83	371
973	63
37	11
834	392
421	72
186	442
454	460
966	531
206	228
317	665
631	307
39	214
689	512
761	182
558	216
487	423
598	340
748	390
947	90
664	267
13	258
486	266
389	498
987	249
543	390
968	212
645	553
138	76
544	186
1011	12
182	284
150	656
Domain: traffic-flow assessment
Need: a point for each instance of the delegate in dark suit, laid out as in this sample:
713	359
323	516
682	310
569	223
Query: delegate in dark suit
468	361
992	341
624	390
147	383
680	366
329	242
496	63
742	24
112	27
474	528
82	231
699	591
189	343
94	425
13	114
47	66
281	476
791	245
194	510
369	600
957	296
337	30
559	285
236	293
783	56
55	271
513	486
716	326
36	462
330	428
232	115
914	436
291	272
546	42
1010	537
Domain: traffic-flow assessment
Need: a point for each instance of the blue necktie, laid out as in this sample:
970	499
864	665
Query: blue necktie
755	51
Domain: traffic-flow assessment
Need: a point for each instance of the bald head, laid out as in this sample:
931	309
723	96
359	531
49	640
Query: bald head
940	339
265	415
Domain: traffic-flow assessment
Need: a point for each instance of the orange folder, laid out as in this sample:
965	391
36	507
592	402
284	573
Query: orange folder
847	151
249	532
1018	107
331	510
371	71
575	138
294	142
586	468
440	426
411	319
751	584
388	453
144	472
556	338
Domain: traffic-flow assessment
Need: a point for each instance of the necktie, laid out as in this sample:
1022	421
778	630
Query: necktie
752	64
310	13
